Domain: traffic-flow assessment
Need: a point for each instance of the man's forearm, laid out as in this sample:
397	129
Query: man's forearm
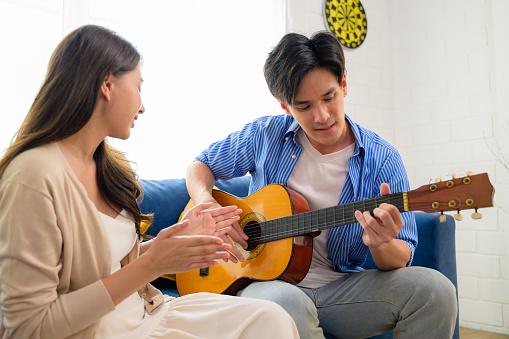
392	255
199	181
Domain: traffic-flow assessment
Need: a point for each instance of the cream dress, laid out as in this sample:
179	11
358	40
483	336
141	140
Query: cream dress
197	316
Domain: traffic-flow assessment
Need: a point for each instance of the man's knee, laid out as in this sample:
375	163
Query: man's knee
280	292
290	297
436	289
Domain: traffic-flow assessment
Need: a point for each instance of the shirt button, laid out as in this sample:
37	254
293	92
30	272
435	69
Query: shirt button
286	138
143	295
293	156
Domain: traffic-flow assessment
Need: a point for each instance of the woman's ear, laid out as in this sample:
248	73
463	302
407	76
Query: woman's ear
106	87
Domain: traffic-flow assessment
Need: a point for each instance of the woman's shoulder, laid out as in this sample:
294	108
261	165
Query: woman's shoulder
35	165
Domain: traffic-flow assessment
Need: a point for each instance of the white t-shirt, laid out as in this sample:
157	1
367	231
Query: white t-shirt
129	319
320	178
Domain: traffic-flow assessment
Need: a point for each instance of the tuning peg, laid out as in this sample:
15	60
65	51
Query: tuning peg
454	176
458	216
470	173
443	218
476	215
438	179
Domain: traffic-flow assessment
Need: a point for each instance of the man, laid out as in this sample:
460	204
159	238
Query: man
317	150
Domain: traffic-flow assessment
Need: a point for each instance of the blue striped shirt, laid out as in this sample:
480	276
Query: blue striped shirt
267	149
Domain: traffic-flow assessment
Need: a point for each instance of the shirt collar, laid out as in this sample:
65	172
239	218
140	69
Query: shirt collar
356	133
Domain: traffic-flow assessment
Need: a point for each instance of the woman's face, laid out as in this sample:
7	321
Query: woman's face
125	104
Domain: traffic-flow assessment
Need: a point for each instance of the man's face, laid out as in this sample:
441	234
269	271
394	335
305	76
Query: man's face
319	109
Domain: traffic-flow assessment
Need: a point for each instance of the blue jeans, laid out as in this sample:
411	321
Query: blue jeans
414	302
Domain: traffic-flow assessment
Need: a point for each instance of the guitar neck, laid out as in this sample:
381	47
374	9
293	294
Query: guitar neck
318	220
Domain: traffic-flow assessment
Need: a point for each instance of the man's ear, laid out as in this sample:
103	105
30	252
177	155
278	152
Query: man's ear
284	106
344	86
106	87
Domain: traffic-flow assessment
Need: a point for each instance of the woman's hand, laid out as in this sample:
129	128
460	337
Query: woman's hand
169	252
172	251
206	221
231	234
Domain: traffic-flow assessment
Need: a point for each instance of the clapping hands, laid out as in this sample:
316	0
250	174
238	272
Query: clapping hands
194	242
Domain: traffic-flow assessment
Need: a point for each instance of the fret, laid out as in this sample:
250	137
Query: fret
383	199
277	225
307	218
301	222
330	220
343	222
285	223
334	214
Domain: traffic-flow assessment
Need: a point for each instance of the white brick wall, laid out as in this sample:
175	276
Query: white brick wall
432	78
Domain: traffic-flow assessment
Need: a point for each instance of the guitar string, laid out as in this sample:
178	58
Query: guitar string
306	229
369	205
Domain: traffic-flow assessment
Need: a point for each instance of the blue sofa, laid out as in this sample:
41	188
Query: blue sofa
166	199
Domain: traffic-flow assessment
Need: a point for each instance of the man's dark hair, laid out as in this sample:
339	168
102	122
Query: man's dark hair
294	56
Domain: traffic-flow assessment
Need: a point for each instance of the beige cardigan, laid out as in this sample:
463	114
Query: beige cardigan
54	252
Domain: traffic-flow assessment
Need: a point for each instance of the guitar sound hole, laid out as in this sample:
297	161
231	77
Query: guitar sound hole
253	231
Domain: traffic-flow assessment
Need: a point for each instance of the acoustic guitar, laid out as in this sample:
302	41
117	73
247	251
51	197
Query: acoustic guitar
278	223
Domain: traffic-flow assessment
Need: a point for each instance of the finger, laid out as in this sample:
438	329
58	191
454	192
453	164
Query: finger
235	253
394	213
219	232
198	208
197	265
370	222
227	222
360	219
225	216
224	210
209	256
192	251
390	219
173	230
385	189
238	235
199	240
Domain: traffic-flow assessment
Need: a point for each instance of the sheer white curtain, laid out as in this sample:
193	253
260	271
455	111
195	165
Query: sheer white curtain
28	35
203	69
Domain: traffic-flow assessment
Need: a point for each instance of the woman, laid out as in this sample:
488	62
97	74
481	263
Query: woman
71	264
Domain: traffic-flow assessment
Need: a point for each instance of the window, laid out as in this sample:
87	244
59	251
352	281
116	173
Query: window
203	69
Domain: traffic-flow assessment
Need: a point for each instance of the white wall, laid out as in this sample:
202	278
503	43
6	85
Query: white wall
432	78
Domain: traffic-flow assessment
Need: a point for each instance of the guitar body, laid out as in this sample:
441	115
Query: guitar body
286	259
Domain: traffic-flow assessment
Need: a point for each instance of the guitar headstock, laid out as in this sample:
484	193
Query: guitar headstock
456	194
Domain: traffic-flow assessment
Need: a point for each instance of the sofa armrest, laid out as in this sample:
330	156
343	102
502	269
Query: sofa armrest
436	249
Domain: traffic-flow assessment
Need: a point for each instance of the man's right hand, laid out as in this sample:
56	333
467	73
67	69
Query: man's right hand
235	234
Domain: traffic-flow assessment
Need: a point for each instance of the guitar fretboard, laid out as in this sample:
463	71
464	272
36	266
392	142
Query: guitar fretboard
303	223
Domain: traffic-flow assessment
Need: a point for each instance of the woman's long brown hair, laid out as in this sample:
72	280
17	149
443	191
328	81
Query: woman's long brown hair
66	100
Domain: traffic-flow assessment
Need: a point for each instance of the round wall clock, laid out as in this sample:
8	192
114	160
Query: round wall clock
347	20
